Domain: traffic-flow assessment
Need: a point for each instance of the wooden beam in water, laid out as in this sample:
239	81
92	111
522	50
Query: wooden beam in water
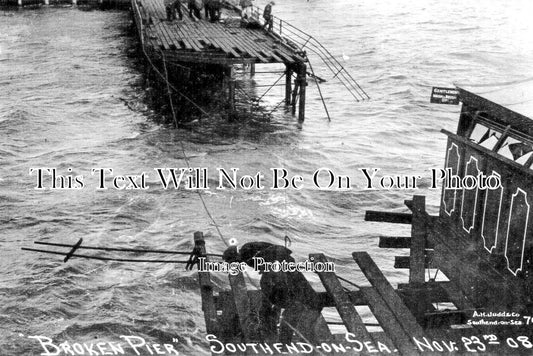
288	84
389	217
346	309
394	242
302	77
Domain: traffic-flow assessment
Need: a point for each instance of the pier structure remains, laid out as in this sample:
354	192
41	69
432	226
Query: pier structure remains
219	46
186	53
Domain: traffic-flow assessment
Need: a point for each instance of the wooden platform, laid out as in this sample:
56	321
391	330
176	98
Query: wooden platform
231	315
200	41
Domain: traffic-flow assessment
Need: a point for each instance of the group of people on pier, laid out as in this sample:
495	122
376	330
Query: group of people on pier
212	10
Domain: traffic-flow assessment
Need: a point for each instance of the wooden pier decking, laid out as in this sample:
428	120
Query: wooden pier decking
202	41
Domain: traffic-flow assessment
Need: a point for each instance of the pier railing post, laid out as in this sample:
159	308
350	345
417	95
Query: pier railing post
206	287
288	84
302	78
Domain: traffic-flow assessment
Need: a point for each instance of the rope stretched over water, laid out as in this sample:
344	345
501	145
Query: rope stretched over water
118	249
187	161
103	258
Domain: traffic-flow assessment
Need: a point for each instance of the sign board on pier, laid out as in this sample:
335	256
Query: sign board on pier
448	96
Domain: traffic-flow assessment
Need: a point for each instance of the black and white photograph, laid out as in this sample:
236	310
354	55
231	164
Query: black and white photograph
266	177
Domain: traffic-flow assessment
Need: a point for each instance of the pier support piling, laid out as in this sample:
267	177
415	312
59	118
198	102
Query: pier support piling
288	85
302	83
295	95
230	79
252	69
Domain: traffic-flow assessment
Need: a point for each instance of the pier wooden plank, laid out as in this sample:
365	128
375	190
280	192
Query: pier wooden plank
389	295
384	216
183	38
202	36
242	304
228	320
405	262
394	242
347	312
458	298
419	231
162	37
398	242
388	322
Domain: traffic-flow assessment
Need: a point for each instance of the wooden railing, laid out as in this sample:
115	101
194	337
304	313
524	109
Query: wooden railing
498	217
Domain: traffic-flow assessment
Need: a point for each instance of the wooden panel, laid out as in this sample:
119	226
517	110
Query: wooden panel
242	305
458	298
228	320
347	312
388	322
383	287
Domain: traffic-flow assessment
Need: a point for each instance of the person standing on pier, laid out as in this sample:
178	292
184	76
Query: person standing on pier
171	7
281	290
267	15
195	7
212	10
207	8
246	6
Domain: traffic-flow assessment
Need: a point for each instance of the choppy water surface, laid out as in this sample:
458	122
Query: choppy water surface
72	97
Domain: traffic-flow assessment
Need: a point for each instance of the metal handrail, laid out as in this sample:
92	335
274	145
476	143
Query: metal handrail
303	41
